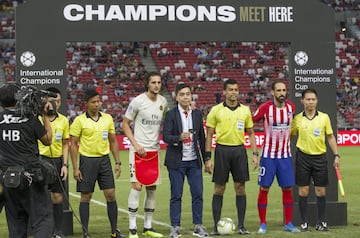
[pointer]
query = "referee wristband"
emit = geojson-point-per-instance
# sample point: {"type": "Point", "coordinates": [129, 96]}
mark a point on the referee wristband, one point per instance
{"type": "Point", "coordinates": [118, 163]}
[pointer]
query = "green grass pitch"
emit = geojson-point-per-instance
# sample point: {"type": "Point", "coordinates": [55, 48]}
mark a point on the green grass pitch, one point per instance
{"type": "Point", "coordinates": [99, 225]}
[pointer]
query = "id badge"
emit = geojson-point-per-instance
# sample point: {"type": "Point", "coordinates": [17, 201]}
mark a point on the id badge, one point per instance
{"type": "Point", "coordinates": [105, 135]}
{"type": "Point", "coordinates": [58, 136]}
{"type": "Point", "coordinates": [240, 125]}
{"type": "Point", "coordinates": [317, 132]}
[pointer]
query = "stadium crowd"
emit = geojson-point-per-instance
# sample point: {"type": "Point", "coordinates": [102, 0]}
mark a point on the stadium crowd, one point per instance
{"type": "Point", "coordinates": [116, 68]}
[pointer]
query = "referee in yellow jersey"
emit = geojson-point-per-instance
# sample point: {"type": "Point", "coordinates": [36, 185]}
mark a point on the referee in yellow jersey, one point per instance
{"type": "Point", "coordinates": [230, 120]}
{"type": "Point", "coordinates": [94, 133]}
{"type": "Point", "coordinates": [312, 128]}
{"type": "Point", "coordinates": [57, 154]}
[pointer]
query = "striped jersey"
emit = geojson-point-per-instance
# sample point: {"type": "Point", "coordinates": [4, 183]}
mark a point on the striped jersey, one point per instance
{"type": "Point", "coordinates": [277, 128]}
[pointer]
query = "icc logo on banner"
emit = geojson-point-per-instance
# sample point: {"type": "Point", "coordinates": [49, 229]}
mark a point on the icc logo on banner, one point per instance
{"type": "Point", "coordinates": [301, 58]}
{"type": "Point", "coordinates": [27, 59]}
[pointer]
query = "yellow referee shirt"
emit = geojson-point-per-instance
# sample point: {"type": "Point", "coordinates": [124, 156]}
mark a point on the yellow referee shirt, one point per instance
{"type": "Point", "coordinates": [60, 131]}
{"type": "Point", "coordinates": [93, 135]}
{"type": "Point", "coordinates": [229, 124]}
{"type": "Point", "coordinates": [311, 133]}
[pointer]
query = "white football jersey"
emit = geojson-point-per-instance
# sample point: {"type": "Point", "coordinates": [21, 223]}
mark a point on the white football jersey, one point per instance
{"type": "Point", "coordinates": [147, 116]}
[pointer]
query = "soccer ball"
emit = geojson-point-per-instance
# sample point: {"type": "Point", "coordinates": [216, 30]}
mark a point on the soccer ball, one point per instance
{"type": "Point", "coordinates": [226, 226]}
{"type": "Point", "coordinates": [27, 58]}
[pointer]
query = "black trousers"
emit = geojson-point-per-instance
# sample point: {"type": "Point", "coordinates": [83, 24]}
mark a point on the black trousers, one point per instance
{"type": "Point", "coordinates": [29, 206]}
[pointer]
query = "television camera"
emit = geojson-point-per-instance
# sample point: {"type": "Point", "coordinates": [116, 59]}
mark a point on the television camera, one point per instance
{"type": "Point", "coordinates": [32, 101]}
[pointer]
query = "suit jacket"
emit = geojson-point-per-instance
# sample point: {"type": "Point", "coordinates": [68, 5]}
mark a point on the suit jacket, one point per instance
{"type": "Point", "coordinates": [171, 134]}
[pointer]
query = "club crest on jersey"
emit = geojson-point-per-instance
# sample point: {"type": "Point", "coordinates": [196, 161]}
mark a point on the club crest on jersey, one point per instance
{"type": "Point", "coordinates": [161, 108]}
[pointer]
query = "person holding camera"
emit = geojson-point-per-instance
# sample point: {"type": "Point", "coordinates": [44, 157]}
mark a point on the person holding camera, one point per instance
{"type": "Point", "coordinates": [27, 202]}
{"type": "Point", "coordinates": [57, 154]}
{"type": "Point", "coordinates": [183, 131]}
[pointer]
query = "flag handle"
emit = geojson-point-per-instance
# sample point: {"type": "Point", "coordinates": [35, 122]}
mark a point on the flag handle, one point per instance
{"type": "Point", "coordinates": [341, 187]}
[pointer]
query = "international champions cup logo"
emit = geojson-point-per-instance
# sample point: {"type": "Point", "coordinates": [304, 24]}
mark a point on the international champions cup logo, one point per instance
{"type": "Point", "coordinates": [301, 58]}
{"type": "Point", "coordinates": [27, 59]}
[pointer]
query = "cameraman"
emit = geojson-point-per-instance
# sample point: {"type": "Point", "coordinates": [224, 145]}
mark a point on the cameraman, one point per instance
{"type": "Point", "coordinates": [19, 149]}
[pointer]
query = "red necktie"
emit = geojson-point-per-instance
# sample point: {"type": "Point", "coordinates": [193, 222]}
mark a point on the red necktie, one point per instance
{"type": "Point", "coordinates": [186, 114]}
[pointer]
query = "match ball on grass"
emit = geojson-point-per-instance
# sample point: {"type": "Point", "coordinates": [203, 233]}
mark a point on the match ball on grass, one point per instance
{"type": "Point", "coordinates": [226, 226]}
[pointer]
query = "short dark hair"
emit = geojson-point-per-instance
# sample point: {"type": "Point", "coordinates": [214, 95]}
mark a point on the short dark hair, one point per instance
{"type": "Point", "coordinates": [90, 94]}
{"type": "Point", "coordinates": [148, 76]}
{"type": "Point", "coordinates": [53, 90]}
{"type": "Point", "coordinates": [309, 90]}
{"type": "Point", "coordinates": [229, 81]}
{"type": "Point", "coordinates": [7, 94]}
{"type": "Point", "coordinates": [181, 86]}
{"type": "Point", "coordinates": [276, 82]}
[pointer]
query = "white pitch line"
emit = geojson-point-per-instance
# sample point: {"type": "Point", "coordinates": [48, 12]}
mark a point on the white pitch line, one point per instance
{"type": "Point", "coordinates": [121, 210]}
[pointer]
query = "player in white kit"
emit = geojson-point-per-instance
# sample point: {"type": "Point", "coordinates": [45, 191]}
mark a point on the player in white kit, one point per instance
{"type": "Point", "coordinates": [146, 111]}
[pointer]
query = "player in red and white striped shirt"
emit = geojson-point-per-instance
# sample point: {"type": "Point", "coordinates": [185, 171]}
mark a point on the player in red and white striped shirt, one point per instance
{"type": "Point", "coordinates": [276, 155]}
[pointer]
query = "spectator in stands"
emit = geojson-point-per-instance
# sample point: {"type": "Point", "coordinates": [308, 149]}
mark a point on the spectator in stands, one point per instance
{"type": "Point", "coordinates": [357, 119]}
{"type": "Point", "coordinates": [217, 97]}
{"type": "Point", "coordinates": [145, 51]}
{"type": "Point", "coordinates": [191, 78]}
{"type": "Point", "coordinates": [196, 66]}
{"type": "Point", "coordinates": [199, 88]}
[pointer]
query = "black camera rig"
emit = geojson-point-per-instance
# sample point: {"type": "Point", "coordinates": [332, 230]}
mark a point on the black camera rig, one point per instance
{"type": "Point", "coordinates": [31, 101]}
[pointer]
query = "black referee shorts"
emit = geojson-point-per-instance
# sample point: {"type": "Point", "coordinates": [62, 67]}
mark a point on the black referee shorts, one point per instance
{"type": "Point", "coordinates": [309, 167]}
{"type": "Point", "coordinates": [95, 169]}
{"type": "Point", "coordinates": [59, 185]}
{"type": "Point", "coordinates": [230, 159]}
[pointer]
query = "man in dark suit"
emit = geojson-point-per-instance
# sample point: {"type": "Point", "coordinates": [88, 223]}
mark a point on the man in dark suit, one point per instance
{"type": "Point", "coordinates": [183, 132]}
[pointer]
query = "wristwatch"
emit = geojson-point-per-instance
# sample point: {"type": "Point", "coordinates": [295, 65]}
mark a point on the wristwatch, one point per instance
{"type": "Point", "coordinates": [256, 153]}
{"type": "Point", "coordinates": [66, 165]}
{"type": "Point", "coordinates": [337, 155]}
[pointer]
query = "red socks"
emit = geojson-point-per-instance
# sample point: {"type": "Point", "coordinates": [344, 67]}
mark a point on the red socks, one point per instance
{"type": "Point", "coordinates": [262, 204]}
{"type": "Point", "coordinates": [287, 199]}
{"type": "Point", "coordinates": [288, 204]}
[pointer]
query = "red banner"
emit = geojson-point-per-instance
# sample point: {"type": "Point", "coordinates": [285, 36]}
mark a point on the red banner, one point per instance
{"type": "Point", "coordinates": [344, 138]}
{"type": "Point", "coordinates": [348, 138]}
